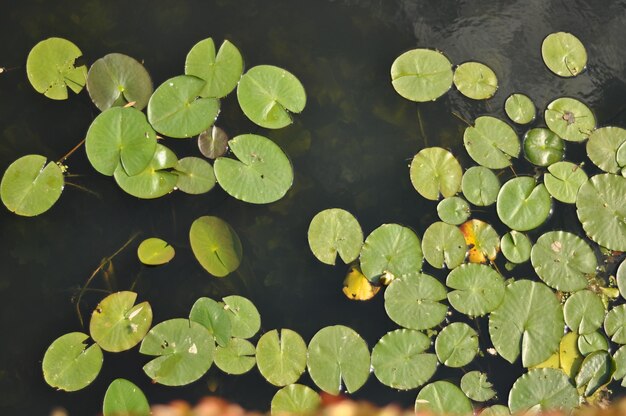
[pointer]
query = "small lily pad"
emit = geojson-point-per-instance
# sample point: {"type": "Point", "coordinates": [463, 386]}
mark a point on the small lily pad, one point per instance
{"type": "Point", "coordinates": [221, 71]}
{"type": "Point", "coordinates": [564, 54]}
{"type": "Point", "coordinates": [596, 341]}
{"type": "Point", "coordinates": [453, 210]}
{"type": "Point", "coordinates": [615, 324]}
{"type": "Point", "coordinates": [564, 180]}
{"type": "Point", "coordinates": [443, 245]}
{"type": "Point", "coordinates": [281, 356]}
{"type": "Point", "coordinates": [154, 252]}
{"type": "Point", "coordinates": [335, 231]}
{"type": "Point", "coordinates": [543, 147]}
{"type": "Point", "coordinates": [481, 238]}
{"type": "Point", "coordinates": [523, 204]}
{"type": "Point", "coordinates": [520, 108]}
{"type": "Point", "coordinates": [603, 145]}
{"type": "Point", "coordinates": [595, 371]}
{"type": "Point", "coordinates": [479, 289]}
{"type": "Point", "coordinates": [570, 357]}
{"type": "Point", "coordinates": [443, 398]}
{"type": "Point", "coordinates": [356, 286]}
{"type": "Point", "coordinates": [244, 316]}
{"type": "Point", "coordinates": [124, 398]}
{"type": "Point", "coordinates": [476, 386]}
{"type": "Point", "coordinates": [620, 364]}
{"type": "Point", "coordinates": [295, 399]}
{"type": "Point", "coordinates": [570, 119]}
{"type": "Point", "coordinates": [491, 142]}
{"type": "Point", "coordinates": [456, 345]}
{"type": "Point", "coordinates": [516, 247]}
{"type": "Point", "coordinates": [195, 175]}
{"type": "Point", "coordinates": [155, 181]}
{"type": "Point", "coordinates": [213, 142]}
{"type": "Point", "coordinates": [584, 312]}
{"type": "Point", "coordinates": [435, 171]}
{"type": "Point", "coordinates": [216, 245]}
{"type": "Point", "coordinates": [543, 389]}
{"type": "Point", "coordinates": [236, 357]}
{"type": "Point", "coordinates": [495, 410]}
{"type": "Point", "coordinates": [421, 75]}
{"type": "Point", "coordinates": [480, 186]}
{"type": "Point", "coordinates": [475, 80]}
{"type": "Point", "coordinates": [213, 317]}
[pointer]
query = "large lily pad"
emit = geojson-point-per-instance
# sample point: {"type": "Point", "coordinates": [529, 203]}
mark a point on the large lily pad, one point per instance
{"type": "Point", "coordinates": [443, 245]}
{"type": "Point", "coordinates": [603, 145]}
{"type": "Point", "coordinates": [155, 180]}
{"type": "Point", "coordinates": [221, 71]}
{"type": "Point", "coordinates": [213, 317]}
{"type": "Point", "coordinates": [155, 251]}
{"type": "Point", "coordinates": [295, 399]}
{"type": "Point", "coordinates": [456, 345]}
{"type": "Point", "coordinates": [523, 204]}
{"type": "Point", "coordinates": [491, 142]}
{"type": "Point", "coordinates": [479, 289]}
{"type": "Point", "coordinates": [124, 398]}
{"type": "Point", "coordinates": [520, 108]}
{"type": "Point", "coordinates": [476, 386]}
{"type": "Point", "coordinates": [435, 171]}
{"type": "Point", "coordinates": [570, 119]}
{"type": "Point", "coordinates": [195, 175]}
{"type": "Point", "coordinates": [564, 180]}
{"type": "Point", "coordinates": [615, 324]}
{"type": "Point", "coordinates": [236, 357]}
{"type": "Point", "coordinates": [244, 317]}
{"type": "Point", "coordinates": [443, 398]}
{"type": "Point", "coordinates": [281, 356]}
{"type": "Point", "coordinates": [516, 247]}
{"type": "Point", "coordinates": [564, 54]}
{"type": "Point", "coordinates": [453, 210]}
{"type": "Point", "coordinates": [335, 231]}
{"type": "Point", "coordinates": [475, 80]}
{"type": "Point", "coordinates": [216, 245]}
{"type": "Point", "coordinates": [480, 186]}
{"type": "Point", "coordinates": [421, 75]}
{"type": "Point", "coordinates": [584, 312]}
{"type": "Point", "coordinates": [543, 147]}
{"type": "Point", "coordinates": [543, 389]}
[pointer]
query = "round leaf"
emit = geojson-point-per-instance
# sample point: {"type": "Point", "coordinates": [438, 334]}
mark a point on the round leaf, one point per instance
{"type": "Point", "coordinates": [522, 204]}
{"type": "Point", "coordinates": [195, 175]}
{"type": "Point", "coordinates": [516, 247]}
{"type": "Point", "coordinates": [543, 147]}
{"type": "Point", "coordinates": [215, 245]}
{"type": "Point", "coordinates": [480, 186]}
{"type": "Point", "coordinates": [295, 399]}
{"type": "Point", "coordinates": [443, 245]}
{"type": "Point", "coordinates": [584, 312]}
{"type": "Point", "coordinates": [443, 397]}
{"type": "Point", "coordinates": [543, 389]}
{"type": "Point", "coordinates": [155, 180]}
{"type": "Point", "coordinates": [564, 54]}
{"type": "Point", "coordinates": [475, 80]}
{"type": "Point", "coordinates": [570, 119]}
{"type": "Point", "coordinates": [244, 316]}
{"type": "Point", "coordinates": [435, 171]}
{"type": "Point", "coordinates": [281, 356]}
{"type": "Point", "coordinates": [483, 240]}
{"type": "Point", "coordinates": [221, 71]}
{"type": "Point", "coordinates": [479, 289]}
{"type": "Point", "coordinates": [213, 317]}
{"type": "Point", "coordinates": [335, 231]}
{"type": "Point", "coordinates": [615, 324]}
{"type": "Point", "coordinates": [453, 210]}
{"type": "Point", "coordinates": [213, 142]}
{"type": "Point", "coordinates": [603, 145]}
{"type": "Point", "coordinates": [236, 357]}
{"type": "Point", "coordinates": [519, 108]}
{"type": "Point", "coordinates": [564, 180]}
{"type": "Point", "coordinates": [154, 252]}
{"type": "Point", "coordinates": [124, 398]}
{"type": "Point", "coordinates": [456, 345]}
{"type": "Point", "coordinates": [491, 142]}
{"type": "Point", "coordinates": [421, 75]}
{"type": "Point", "coordinates": [476, 386]}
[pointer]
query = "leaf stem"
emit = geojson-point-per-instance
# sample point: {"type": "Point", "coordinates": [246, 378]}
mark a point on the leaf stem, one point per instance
{"type": "Point", "coordinates": [68, 154]}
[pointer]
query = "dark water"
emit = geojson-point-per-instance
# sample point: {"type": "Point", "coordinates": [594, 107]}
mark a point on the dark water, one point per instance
{"type": "Point", "coordinates": [350, 148]}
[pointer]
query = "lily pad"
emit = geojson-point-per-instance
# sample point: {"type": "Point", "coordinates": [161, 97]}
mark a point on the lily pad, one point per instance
{"type": "Point", "coordinates": [523, 204]}
{"type": "Point", "coordinates": [336, 355]}
{"type": "Point", "coordinates": [456, 345]}
{"type": "Point", "coordinates": [520, 108]}
{"type": "Point", "coordinates": [564, 180]}
{"type": "Point", "coordinates": [543, 147]}
{"type": "Point", "coordinates": [281, 356]}
{"type": "Point", "coordinates": [116, 80]}
{"type": "Point", "coordinates": [443, 398]}
{"type": "Point", "coordinates": [184, 351]}
{"type": "Point", "coordinates": [124, 398]}
{"type": "Point", "coordinates": [596, 341]}
{"type": "Point", "coordinates": [236, 357]}
{"type": "Point", "coordinates": [30, 187]}
{"type": "Point", "coordinates": [564, 54]}
{"type": "Point", "coordinates": [268, 95]}
{"type": "Point", "coordinates": [495, 410]}
{"type": "Point", "coordinates": [244, 316]}
{"type": "Point", "coordinates": [51, 68]}
{"type": "Point", "coordinates": [476, 386]}
{"type": "Point", "coordinates": [117, 324]}
{"type": "Point", "coordinates": [543, 389]}
{"type": "Point", "coordinates": [620, 364]}
{"type": "Point", "coordinates": [453, 210]}
{"type": "Point", "coordinates": [491, 142]}
{"type": "Point", "coordinates": [479, 289]}
{"type": "Point", "coordinates": [435, 171]}
{"type": "Point", "coordinates": [213, 317]}
{"type": "Point", "coordinates": [620, 276]}
{"type": "Point", "coordinates": [443, 245]}
{"type": "Point", "coordinates": [584, 312]}
{"type": "Point", "coordinates": [221, 71]}
{"type": "Point", "coordinates": [195, 175]}
{"type": "Point", "coordinates": [480, 186]}
{"type": "Point", "coordinates": [570, 357]}
{"type": "Point", "coordinates": [570, 119]}
{"type": "Point", "coordinates": [603, 145]}
{"type": "Point", "coordinates": [356, 286]}
{"type": "Point", "coordinates": [155, 180]}
{"type": "Point", "coordinates": [421, 75]}
{"type": "Point", "coordinates": [595, 371]}
{"type": "Point", "coordinates": [615, 324]}
{"type": "Point", "coordinates": [213, 142]}
{"type": "Point", "coordinates": [400, 360]}
{"type": "Point", "coordinates": [295, 399]}
{"type": "Point", "coordinates": [176, 109]}
{"type": "Point", "coordinates": [154, 252]}
{"type": "Point", "coordinates": [475, 80]}
{"type": "Point", "coordinates": [335, 231]}
{"type": "Point", "coordinates": [263, 173]}
{"type": "Point", "coordinates": [530, 315]}
{"type": "Point", "coordinates": [483, 241]}
{"type": "Point", "coordinates": [216, 245]}
{"type": "Point", "coordinates": [516, 247]}
{"type": "Point", "coordinates": [413, 301]}
{"type": "Point", "coordinates": [70, 364]}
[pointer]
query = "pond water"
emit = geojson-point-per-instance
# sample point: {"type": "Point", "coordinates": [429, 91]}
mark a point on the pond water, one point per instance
{"type": "Point", "coordinates": [350, 148]}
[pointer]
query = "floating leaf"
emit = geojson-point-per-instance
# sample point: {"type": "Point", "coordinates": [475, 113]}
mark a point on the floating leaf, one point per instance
{"type": "Point", "coordinates": [584, 312]}
{"type": "Point", "coordinates": [155, 180]}
{"type": "Point", "coordinates": [543, 389]}
{"type": "Point", "coordinates": [69, 364]}
{"type": "Point", "coordinates": [603, 145]}
{"type": "Point", "coordinates": [221, 71]}
{"type": "Point", "coordinates": [456, 345]}
{"type": "Point", "coordinates": [596, 341]}
{"type": "Point", "coordinates": [177, 110]}
{"type": "Point", "coordinates": [421, 75]}
{"type": "Point", "coordinates": [543, 147]}
{"type": "Point", "coordinates": [495, 410]}
{"type": "Point", "coordinates": [475, 80]}
{"type": "Point", "coordinates": [564, 54]}
{"type": "Point", "coordinates": [399, 359]}
{"type": "Point", "coordinates": [615, 324]}
{"type": "Point", "coordinates": [620, 276]}
{"type": "Point", "coordinates": [523, 204]}
{"type": "Point", "coordinates": [453, 210]}
{"type": "Point", "coordinates": [244, 316]}
{"type": "Point", "coordinates": [435, 171]}
{"type": "Point", "coordinates": [595, 371]}
{"type": "Point", "coordinates": [236, 357]}
{"type": "Point", "coordinates": [195, 175]}
{"type": "Point", "coordinates": [216, 245]}
{"type": "Point", "coordinates": [620, 364]}
{"type": "Point", "coordinates": [564, 180]}
{"type": "Point", "coordinates": [479, 289]}
{"type": "Point", "coordinates": [335, 231]}
{"type": "Point", "coordinates": [268, 95]}
{"type": "Point", "coordinates": [338, 354]}
{"type": "Point", "coordinates": [482, 239]}
{"type": "Point", "coordinates": [184, 351]}
{"type": "Point", "coordinates": [516, 247]}
{"type": "Point", "coordinates": [124, 398]}
{"type": "Point", "coordinates": [213, 317]}
{"type": "Point", "coordinates": [357, 287]}
{"type": "Point", "coordinates": [530, 315]}
{"type": "Point", "coordinates": [443, 245]}
{"type": "Point", "coordinates": [480, 186]}
{"type": "Point", "coordinates": [476, 386]}
{"type": "Point", "coordinates": [281, 356]}
{"type": "Point", "coordinates": [570, 119]}
{"type": "Point", "coordinates": [30, 187]}
{"type": "Point", "coordinates": [491, 142]}
{"type": "Point", "coordinates": [263, 173]}
{"type": "Point", "coordinates": [570, 357]}
{"type": "Point", "coordinates": [413, 301]}
{"type": "Point", "coordinates": [213, 142]}
{"type": "Point", "coordinates": [116, 80]}
{"type": "Point", "coordinates": [51, 68]}
{"type": "Point", "coordinates": [443, 397]}
{"type": "Point", "coordinates": [154, 252]}
{"type": "Point", "coordinates": [295, 399]}
{"type": "Point", "coordinates": [117, 324]}
{"type": "Point", "coordinates": [520, 108]}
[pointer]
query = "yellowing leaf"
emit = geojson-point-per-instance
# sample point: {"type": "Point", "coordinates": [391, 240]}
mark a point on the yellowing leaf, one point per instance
{"type": "Point", "coordinates": [482, 240]}
{"type": "Point", "coordinates": [357, 287]}
{"type": "Point", "coordinates": [571, 358]}
{"type": "Point", "coordinates": [552, 362]}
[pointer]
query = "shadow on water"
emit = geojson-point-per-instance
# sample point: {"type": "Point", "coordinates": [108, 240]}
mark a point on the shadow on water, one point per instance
{"type": "Point", "coordinates": [350, 148]}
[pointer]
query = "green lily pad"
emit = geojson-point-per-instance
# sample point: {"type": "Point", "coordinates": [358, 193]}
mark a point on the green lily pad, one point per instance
{"type": "Point", "coordinates": [491, 142]}
{"type": "Point", "coordinates": [595, 371]}
{"type": "Point", "coordinates": [564, 180]}
{"type": "Point", "coordinates": [213, 317]}
{"type": "Point", "coordinates": [216, 245]}
{"type": "Point", "coordinates": [620, 157]}
{"type": "Point", "coordinates": [335, 231]}
{"type": "Point", "coordinates": [520, 108]}
{"type": "Point", "coordinates": [443, 245]}
{"type": "Point", "coordinates": [480, 186]}
{"type": "Point", "coordinates": [221, 71]}
{"type": "Point", "coordinates": [456, 345]}
{"type": "Point", "coordinates": [523, 204]}
{"type": "Point", "coordinates": [584, 312]}
{"type": "Point", "coordinates": [176, 109]}
{"type": "Point", "coordinates": [51, 68]}
{"type": "Point", "coordinates": [30, 187]}
{"type": "Point", "coordinates": [213, 142]}
{"type": "Point", "coordinates": [244, 316]}
{"type": "Point", "coordinates": [391, 249]}
{"type": "Point", "coordinates": [564, 54]}
{"type": "Point", "coordinates": [184, 351]}
{"type": "Point", "coordinates": [475, 80]}
{"type": "Point", "coordinates": [603, 145]}
{"type": "Point", "coordinates": [124, 398]}
{"type": "Point", "coordinates": [295, 399]}
{"type": "Point", "coordinates": [154, 252]}
{"type": "Point", "coordinates": [70, 364]}
{"type": "Point", "coordinates": [563, 260]}
{"type": "Point", "coordinates": [336, 355]}
{"type": "Point", "coordinates": [543, 147]}
{"type": "Point", "coordinates": [476, 386]}
{"type": "Point", "coordinates": [435, 171]}
{"type": "Point", "coordinates": [620, 364]}
{"type": "Point", "coordinates": [236, 357]}
{"type": "Point", "coordinates": [400, 361]}
{"type": "Point", "coordinates": [615, 324]}
{"type": "Point", "coordinates": [620, 276]}
{"type": "Point", "coordinates": [453, 210]}
{"type": "Point", "coordinates": [116, 80]}
{"type": "Point", "coordinates": [595, 341]}
{"type": "Point", "coordinates": [495, 410]}
{"type": "Point", "coordinates": [570, 119]}
{"type": "Point", "coordinates": [263, 173]}
{"type": "Point", "coordinates": [413, 301]}
{"type": "Point", "coordinates": [195, 175]}
{"type": "Point", "coordinates": [482, 239]}
{"type": "Point", "coordinates": [268, 95]}
{"type": "Point", "coordinates": [530, 315]}
{"type": "Point", "coordinates": [281, 356]}
{"type": "Point", "coordinates": [516, 247]}
{"type": "Point", "coordinates": [120, 136]}
{"type": "Point", "coordinates": [155, 180]}
{"type": "Point", "coordinates": [421, 75]}
{"type": "Point", "coordinates": [543, 389]}
{"type": "Point", "coordinates": [117, 324]}
{"type": "Point", "coordinates": [601, 209]}
{"type": "Point", "coordinates": [479, 289]}
{"type": "Point", "coordinates": [443, 398]}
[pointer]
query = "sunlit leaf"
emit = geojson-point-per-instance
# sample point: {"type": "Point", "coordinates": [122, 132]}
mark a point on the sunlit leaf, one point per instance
{"type": "Point", "coordinates": [154, 251]}
{"type": "Point", "coordinates": [221, 70]}
{"type": "Point", "coordinates": [215, 245]}
{"type": "Point", "coordinates": [435, 171]}
{"type": "Point", "coordinates": [421, 75]}
{"type": "Point", "coordinates": [543, 389]}
{"type": "Point", "coordinates": [564, 54]}
{"type": "Point", "coordinates": [475, 80]}
{"type": "Point", "coordinates": [124, 398]}
{"type": "Point", "coordinates": [443, 397]}
{"type": "Point", "coordinates": [482, 240]}
{"type": "Point", "coordinates": [335, 231]}
{"type": "Point", "coordinates": [413, 301]}
{"type": "Point", "coordinates": [479, 289]}
{"type": "Point", "coordinates": [281, 356]}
